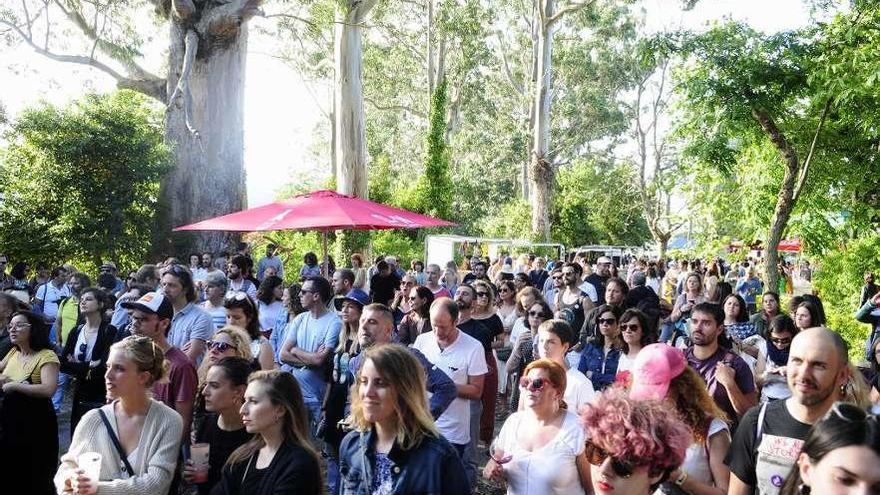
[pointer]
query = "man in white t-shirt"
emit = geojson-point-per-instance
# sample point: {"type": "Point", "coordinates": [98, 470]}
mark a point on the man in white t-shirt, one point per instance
{"type": "Point", "coordinates": [461, 357]}
{"type": "Point", "coordinates": [50, 294]}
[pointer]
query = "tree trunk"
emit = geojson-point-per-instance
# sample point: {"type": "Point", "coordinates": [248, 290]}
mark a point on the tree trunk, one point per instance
{"type": "Point", "coordinates": [209, 178]}
{"type": "Point", "coordinates": [663, 245]}
{"type": "Point", "coordinates": [351, 148]}
{"type": "Point", "coordinates": [541, 170]}
{"type": "Point", "coordinates": [785, 200]}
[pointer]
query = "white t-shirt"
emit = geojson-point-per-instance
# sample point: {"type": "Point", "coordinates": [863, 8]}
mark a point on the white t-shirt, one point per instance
{"type": "Point", "coordinates": [519, 326]}
{"type": "Point", "coordinates": [624, 363]}
{"type": "Point", "coordinates": [590, 289]}
{"type": "Point", "coordinates": [268, 313]}
{"type": "Point", "coordinates": [465, 357]}
{"type": "Point", "coordinates": [696, 459]}
{"type": "Point", "coordinates": [550, 470]}
{"type": "Point", "coordinates": [578, 390]}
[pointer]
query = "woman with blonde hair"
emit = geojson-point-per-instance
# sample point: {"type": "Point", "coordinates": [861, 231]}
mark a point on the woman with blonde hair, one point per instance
{"type": "Point", "coordinates": [280, 458]}
{"type": "Point", "coordinates": [394, 445]}
{"type": "Point", "coordinates": [661, 372]}
{"type": "Point", "coordinates": [138, 437]}
{"type": "Point", "coordinates": [540, 450]}
{"type": "Point", "coordinates": [229, 341]}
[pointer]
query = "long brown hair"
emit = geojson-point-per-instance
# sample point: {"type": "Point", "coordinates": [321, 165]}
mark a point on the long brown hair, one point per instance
{"type": "Point", "coordinates": [693, 403]}
{"type": "Point", "coordinates": [282, 390]}
{"type": "Point", "coordinates": [402, 371]}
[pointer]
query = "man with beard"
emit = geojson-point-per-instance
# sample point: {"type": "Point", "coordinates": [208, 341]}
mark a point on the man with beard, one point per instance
{"type": "Point", "coordinates": [728, 378]}
{"type": "Point", "coordinates": [478, 272]}
{"type": "Point", "coordinates": [769, 439]}
{"type": "Point", "coordinates": [236, 272]}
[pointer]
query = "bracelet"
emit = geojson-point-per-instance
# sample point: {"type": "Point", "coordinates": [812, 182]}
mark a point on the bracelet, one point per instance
{"type": "Point", "coordinates": [682, 478]}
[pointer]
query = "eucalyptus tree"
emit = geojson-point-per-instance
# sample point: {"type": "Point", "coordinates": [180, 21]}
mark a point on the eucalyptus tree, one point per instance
{"type": "Point", "coordinates": [202, 88]}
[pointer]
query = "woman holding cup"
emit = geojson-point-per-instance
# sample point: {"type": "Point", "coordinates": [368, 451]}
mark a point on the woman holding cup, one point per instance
{"type": "Point", "coordinates": [136, 437]}
{"type": "Point", "coordinates": [222, 430]}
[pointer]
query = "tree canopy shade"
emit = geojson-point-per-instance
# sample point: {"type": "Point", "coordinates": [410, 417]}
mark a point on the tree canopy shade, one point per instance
{"type": "Point", "coordinates": [81, 183]}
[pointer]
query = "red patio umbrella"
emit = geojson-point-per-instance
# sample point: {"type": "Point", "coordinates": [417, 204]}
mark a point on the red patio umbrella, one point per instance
{"type": "Point", "coordinates": [319, 210]}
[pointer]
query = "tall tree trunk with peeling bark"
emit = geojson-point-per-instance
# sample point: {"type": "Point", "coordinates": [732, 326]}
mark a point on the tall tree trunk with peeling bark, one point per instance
{"type": "Point", "coordinates": [205, 121]}
{"type": "Point", "coordinates": [541, 174]}
{"type": "Point", "coordinates": [351, 140]}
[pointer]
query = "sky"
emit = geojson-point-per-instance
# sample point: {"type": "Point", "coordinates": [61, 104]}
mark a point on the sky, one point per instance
{"type": "Point", "coordinates": [280, 135]}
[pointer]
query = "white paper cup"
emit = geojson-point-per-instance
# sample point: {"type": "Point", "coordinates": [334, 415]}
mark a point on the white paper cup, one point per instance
{"type": "Point", "coordinates": [90, 462]}
{"type": "Point", "coordinates": [199, 453]}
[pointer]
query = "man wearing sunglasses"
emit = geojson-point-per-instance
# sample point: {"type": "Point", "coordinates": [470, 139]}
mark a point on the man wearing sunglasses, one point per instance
{"type": "Point", "coordinates": [151, 317]}
{"type": "Point", "coordinates": [311, 338]}
{"type": "Point", "coordinates": [462, 358]}
{"type": "Point", "coordinates": [770, 437]}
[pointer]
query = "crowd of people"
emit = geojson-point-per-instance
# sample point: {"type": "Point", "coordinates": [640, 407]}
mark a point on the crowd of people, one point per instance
{"type": "Point", "coordinates": [631, 376]}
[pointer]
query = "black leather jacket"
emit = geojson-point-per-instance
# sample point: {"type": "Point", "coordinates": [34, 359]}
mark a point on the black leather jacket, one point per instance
{"type": "Point", "coordinates": [431, 468]}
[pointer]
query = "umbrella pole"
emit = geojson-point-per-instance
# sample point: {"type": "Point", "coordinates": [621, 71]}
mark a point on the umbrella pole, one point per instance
{"type": "Point", "coordinates": [326, 260]}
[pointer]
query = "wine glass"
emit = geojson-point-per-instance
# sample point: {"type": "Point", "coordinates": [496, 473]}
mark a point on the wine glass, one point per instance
{"type": "Point", "coordinates": [497, 453]}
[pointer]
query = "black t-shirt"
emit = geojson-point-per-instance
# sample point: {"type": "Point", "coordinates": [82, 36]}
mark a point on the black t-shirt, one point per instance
{"type": "Point", "coordinates": [479, 331]}
{"type": "Point", "coordinates": [764, 465]}
{"type": "Point", "coordinates": [599, 283]}
{"type": "Point", "coordinates": [223, 443]}
{"type": "Point", "coordinates": [382, 287]}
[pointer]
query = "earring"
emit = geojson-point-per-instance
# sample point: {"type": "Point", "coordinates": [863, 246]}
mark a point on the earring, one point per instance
{"type": "Point", "coordinates": [803, 489]}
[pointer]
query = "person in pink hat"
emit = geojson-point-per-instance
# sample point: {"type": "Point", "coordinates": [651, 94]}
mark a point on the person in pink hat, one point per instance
{"type": "Point", "coordinates": [660, 372]}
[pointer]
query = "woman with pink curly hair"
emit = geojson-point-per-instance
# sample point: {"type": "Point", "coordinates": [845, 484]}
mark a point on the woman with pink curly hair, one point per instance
{"type": "Point", "coordinates": [633, 445]}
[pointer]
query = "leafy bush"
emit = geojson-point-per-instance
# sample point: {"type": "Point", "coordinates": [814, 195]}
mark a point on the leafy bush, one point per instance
{"type": "Point", "coordinates": [839, 282]}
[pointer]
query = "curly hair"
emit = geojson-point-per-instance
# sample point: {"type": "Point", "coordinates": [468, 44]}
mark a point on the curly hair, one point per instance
{"type": "Point", "coordinates": [640, 432]}
{"type": "Point", "coordinates": [695, 406]}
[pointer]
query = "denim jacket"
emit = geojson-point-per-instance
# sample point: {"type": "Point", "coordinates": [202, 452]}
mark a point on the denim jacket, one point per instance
{"type": "Point", "coordinates": [599, 368]}
{"type": "Point", "coordinates": [431, 468]}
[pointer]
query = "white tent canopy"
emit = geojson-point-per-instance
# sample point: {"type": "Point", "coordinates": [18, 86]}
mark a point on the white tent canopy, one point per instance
{"type": "Point", "coordinates": [440, 249]}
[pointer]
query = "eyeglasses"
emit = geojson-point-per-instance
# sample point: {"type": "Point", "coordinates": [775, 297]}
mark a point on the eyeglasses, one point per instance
{"type": "Point", "coordinates": [607, 321]}
{"type": "Point", "coordinates": [782, 341]}
{"type": "Point", "coordinates": [19, 325]}
{"type": "Point", "coordinates": [482, 294]}
{"type": "Point", "coordinates": [218, 346]}
{"type": "Point", "coordinates": [535, 385]}
{"type": "Point", "coordinates": [596, 456]}
{"type": "Point", "coordinates": [503, 290]}
{"type": "Point", "coordinates": [629, 327]}
{"type": "Point", "coordinates": [536, 314]}
{"type": "Point", "coordinates": [82, 352]}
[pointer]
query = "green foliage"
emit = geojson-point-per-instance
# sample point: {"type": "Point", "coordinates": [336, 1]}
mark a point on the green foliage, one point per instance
{"type": "Point", "coordinates": [597, 203]}
{"type": "Point", "coordinates": [399, 243]}
{"type": "Point", "coordinates": [512, 220]}
{"type": "Point", "coordinates": [81, 182]}
{"type": "Point", "coordinates": [432, 189]}
{"type": "Point", "coordinates": [839, 280]}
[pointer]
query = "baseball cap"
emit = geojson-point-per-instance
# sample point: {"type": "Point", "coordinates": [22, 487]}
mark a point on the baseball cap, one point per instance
{"type": "Point", "coordinates": [604, 259]}
{"type": "Point", "coordinates": [152, 302]}
{"type": "Point", "coordinates": [357, 296]}
{"type": "Point", "coordinates": [108, 264]}
{"type": "Point", "coordinates": [655, 366]}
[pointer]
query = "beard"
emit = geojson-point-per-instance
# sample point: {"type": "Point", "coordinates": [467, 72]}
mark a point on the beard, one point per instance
{"type": "Point", "coordinates": [462, 304]}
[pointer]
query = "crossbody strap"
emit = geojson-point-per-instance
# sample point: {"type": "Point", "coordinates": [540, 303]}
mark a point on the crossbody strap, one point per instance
{"type": "Point", "coordinates": [116, 443]}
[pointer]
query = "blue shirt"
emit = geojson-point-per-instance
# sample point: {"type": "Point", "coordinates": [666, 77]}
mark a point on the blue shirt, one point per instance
{"type": "Point", "coordinates": [279, 333]}
{"type": "Point", "coordinates": [599, 368]}
{"type": "Point", "coordinates": [190, 323]}
{"type": "Point", "coordinates": [308, 334]}
{"type": "Point", "coordinates": [268, 261]}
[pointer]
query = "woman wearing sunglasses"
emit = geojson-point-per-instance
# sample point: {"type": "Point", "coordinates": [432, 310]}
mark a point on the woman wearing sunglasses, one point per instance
{"type": "Point", "coordinates": [634, 445]}
{"type": "Point", "coordinates": [242, 312]}
{"type": "Point", "coordinates": [770, 368]}
{"type": "Point", "coordinates": [525, 346]}
{"type": "Point", "coordinates": [602, 353]}
{"type": "Point", "coordinates": [85, 354]}
{"type": "Point", "coordinates": [841, 455]}
{"type": "Point", "coordinates": [660, 372]}
{"type": "Point", "coordinates": [222, 428]}
{"type": "Point", "coordinates": [540, 450]}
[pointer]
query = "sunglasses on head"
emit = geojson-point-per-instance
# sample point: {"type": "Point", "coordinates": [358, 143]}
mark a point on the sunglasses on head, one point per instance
{"type": "Point", "coordinates": [239, 295]}
{"type": "Point", "coordinates": [596, 456]}
{"type": "Point", "coordinates": [535, 385]}
{"type": "Point", "coordinates": [219, 346]}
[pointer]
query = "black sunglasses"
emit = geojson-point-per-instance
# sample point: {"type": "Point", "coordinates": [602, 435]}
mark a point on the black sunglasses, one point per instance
{"type": "Point", "coordinates": [596, 456]}
{"type": "Point", "coordinates": [607, 321]}
{"type": "Point", "coordinates": [220, 346]}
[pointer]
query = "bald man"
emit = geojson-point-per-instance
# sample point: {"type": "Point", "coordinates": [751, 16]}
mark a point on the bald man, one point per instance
{"type": "Point", "coordinates": [770, 436]}
{"type": "Point", "coordinates": [375, 328]}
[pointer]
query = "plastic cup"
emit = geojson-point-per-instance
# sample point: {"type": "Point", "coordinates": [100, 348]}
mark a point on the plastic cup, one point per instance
{"type": "Point", "coordinates": [199, 453]}
{"type": "Point", "coordinates": [90, 463]}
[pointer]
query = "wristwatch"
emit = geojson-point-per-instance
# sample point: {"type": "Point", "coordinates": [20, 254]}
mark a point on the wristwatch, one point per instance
{"type": "Point", "coordinates": [682, 478]}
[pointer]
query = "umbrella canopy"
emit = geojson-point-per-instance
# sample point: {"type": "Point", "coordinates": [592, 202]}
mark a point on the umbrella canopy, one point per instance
{"type": "Point", "coordinates": [320, 210]}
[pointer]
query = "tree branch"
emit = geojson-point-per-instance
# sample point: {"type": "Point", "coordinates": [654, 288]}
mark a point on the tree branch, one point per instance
{"type": "Point", "coordinates": [507, 72]}
{"type": "Point", "coordinates": [404, 108]}
{"type": "Point", "coordinates": [568, 9]}
{"type": "Point", "coordinates": [191, 44]}
{"type": "Point", "coordinates": [802, 173]}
